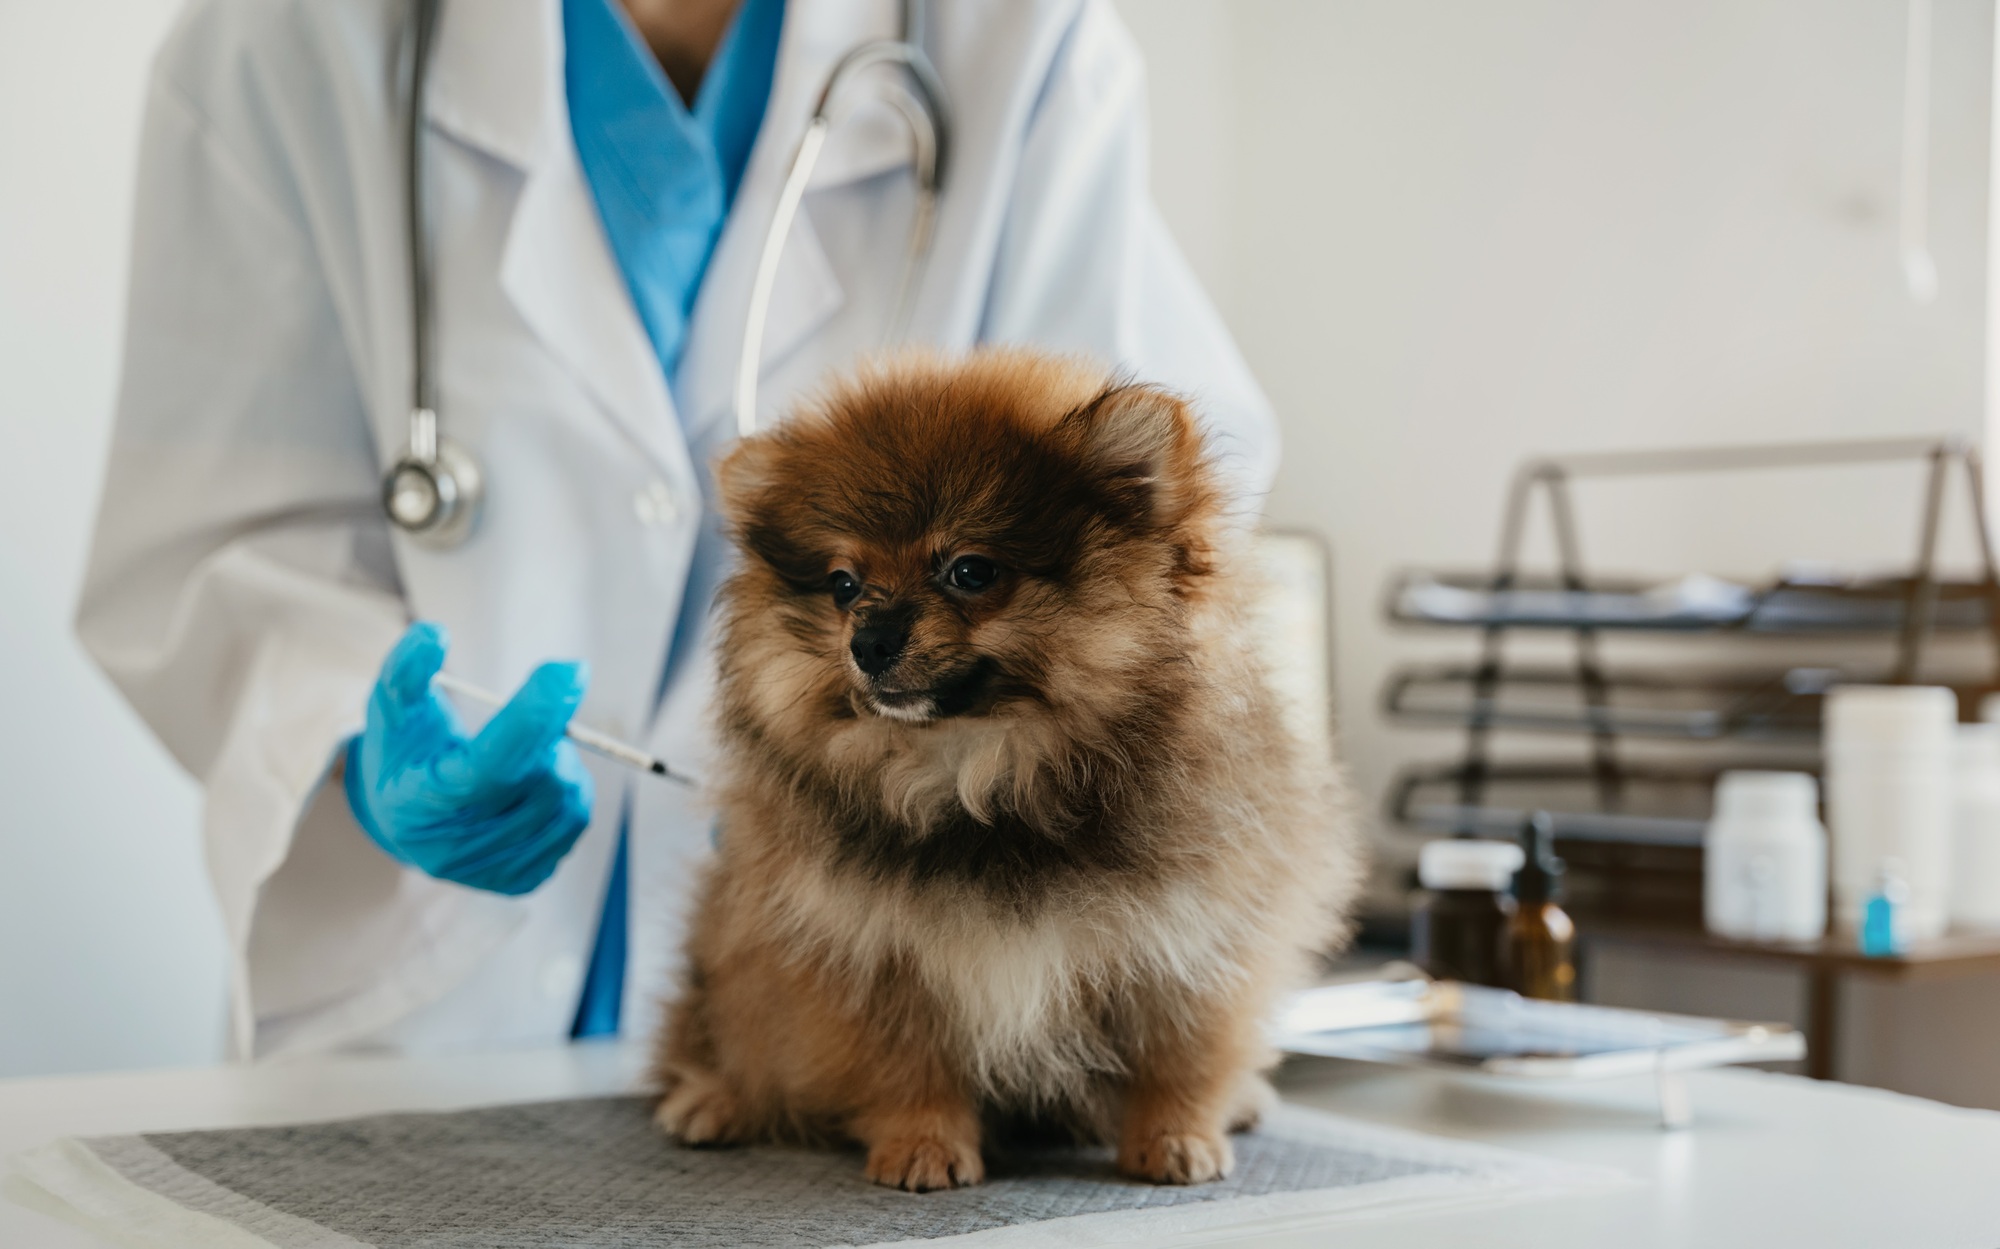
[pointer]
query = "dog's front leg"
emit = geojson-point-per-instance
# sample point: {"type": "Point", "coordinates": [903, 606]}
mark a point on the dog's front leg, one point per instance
{"type": "Point", "coordinates": [1185, 1092]}
{"type": "Point", "coordinates": [921, 1129]}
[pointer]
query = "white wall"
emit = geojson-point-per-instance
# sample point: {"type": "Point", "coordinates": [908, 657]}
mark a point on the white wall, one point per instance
{"type": "Point", "coordinates": [1456, 233]}
{"type": "Point", "coordinates": [110, 953]}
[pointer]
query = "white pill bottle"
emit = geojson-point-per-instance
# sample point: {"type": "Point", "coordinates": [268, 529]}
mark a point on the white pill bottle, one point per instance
{"type": "Point", "coordinates": [1890, 751]}
{"type": "Point", "coordinates": [1764, 859]}
{"type": "Point", "coordinates": [1975, 848]}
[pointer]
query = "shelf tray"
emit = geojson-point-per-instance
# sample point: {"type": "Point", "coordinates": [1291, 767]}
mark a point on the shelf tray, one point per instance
{"type": "Point", "coordinates": [1660, 704]}
{"type": "Point", "coordinates": [1655, 804]}
{"type": "Point", "coordinates": [1691, 605]}
{"type": "Point", "coordinates": [1694, 706]}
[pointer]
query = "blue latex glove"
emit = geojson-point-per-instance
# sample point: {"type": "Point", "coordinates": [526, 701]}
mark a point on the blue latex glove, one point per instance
{"type": "Point", "coordinates": [497, 812]}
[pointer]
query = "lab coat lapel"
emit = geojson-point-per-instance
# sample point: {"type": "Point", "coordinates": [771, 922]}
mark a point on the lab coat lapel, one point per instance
{"type": "Point", "coordinates": [807, 292]}
{"type": "Point", "coordinates": [497, 84]}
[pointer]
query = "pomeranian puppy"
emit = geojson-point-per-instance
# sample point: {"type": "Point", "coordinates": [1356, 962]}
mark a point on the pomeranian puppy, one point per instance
{"type": "Point", "coordinates": [1011, 832]}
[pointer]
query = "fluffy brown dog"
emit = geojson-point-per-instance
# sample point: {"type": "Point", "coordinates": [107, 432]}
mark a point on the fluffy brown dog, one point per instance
{"type": "Point", "coordinates": [1011, 831]}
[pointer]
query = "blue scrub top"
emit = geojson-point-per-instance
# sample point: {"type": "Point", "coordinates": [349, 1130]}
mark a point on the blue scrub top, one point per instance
{"type": "Point", "coordinates": [664, 177]}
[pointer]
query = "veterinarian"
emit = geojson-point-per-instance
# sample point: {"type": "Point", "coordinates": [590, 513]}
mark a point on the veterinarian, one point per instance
{"type": "Point", "coordinates": [599, 176]}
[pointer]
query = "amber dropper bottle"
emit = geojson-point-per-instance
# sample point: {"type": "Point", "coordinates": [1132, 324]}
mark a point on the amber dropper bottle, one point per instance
{"type": "Point", "coordinates": [1541, 942]}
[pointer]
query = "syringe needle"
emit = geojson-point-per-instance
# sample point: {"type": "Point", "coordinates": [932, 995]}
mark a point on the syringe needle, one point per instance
{"type": "Point", "coordinates": [590, 739]}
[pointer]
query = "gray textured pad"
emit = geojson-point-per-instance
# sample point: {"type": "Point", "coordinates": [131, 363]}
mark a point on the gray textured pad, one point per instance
{"type": "Point", "coordinates": [598, 1173]}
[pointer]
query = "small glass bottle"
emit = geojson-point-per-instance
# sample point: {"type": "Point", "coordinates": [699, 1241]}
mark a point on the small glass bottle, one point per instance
{"type": "Point", "coordinates": [1541, 939]}
{"type": "Point", "coordinates": [1458, 925]}
{"type": "Point", "coordinates": [1882, 915]}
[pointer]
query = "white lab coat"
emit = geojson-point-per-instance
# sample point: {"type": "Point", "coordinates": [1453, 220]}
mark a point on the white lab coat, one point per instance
{"type": "Point", "coordinates": [244, 585]}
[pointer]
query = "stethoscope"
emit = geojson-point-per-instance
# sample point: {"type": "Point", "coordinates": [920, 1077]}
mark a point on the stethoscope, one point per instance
{"type": "Point", "coordinates": [434, 490]}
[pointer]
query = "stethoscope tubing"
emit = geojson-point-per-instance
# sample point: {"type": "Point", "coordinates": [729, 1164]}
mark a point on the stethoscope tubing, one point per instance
{"type": "Point", "coordinates": [930, 130]}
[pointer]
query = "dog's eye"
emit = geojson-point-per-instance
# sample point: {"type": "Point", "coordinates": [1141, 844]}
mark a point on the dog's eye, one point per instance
{"type": "Point", "coordinates": [972, 573]}
{"type": "Point", "coordinates": [845, 588]}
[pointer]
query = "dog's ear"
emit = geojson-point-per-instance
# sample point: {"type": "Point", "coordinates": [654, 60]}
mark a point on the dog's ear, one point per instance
{"type": "Point", "coordinates": [744, 480]}
{"type": "Point", "coordinates": [764, 507]}
{"type": "Point", "coordinates": [1142, 440]}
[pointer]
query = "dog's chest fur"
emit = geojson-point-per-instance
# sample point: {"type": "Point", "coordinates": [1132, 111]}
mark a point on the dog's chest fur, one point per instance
{"type": "Point", "coordinates": [1037, 1000]}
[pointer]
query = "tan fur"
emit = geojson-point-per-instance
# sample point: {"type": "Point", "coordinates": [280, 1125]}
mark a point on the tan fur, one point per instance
{"type": "Point", "coordinates": [1058, 863]}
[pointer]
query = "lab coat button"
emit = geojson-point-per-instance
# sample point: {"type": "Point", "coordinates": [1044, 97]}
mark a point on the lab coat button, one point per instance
{"type": "Point", "coordinates": [655, 505]}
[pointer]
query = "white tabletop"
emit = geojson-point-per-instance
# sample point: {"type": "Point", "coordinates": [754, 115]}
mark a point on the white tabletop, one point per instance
{"type": "Point", "coordinates": [1770, 1160]}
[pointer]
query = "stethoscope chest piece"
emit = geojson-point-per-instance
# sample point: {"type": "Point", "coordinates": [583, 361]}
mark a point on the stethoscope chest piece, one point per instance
{"type": "Point", "coordinates": [434, 490]}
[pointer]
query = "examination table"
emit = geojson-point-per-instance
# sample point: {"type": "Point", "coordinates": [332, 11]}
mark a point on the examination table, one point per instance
{"type": "Point", "coordinates": [1771, 1160]}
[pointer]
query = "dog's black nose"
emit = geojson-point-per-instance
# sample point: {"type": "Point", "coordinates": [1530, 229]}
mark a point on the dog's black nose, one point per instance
{"type": "Point", "coordinates": [876, 646]}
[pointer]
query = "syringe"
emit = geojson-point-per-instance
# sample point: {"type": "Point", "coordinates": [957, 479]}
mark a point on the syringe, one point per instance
{"type": "Point", "coordinates": [590, 739]}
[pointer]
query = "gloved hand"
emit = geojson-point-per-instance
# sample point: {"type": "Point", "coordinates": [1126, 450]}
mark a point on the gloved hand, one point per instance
{"type": "Point", "coordinates": [497, 812]}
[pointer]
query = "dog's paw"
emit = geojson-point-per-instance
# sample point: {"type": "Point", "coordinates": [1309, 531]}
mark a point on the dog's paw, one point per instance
{"type": "Point", "coordinates": [1177, 1158]}
{"type": "Point", "coordinates": [699, 1110]}
{"type": "Point", "coordinates": [922, 1164]}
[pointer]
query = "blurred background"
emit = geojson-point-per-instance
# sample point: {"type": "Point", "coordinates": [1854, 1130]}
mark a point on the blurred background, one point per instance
{"type": "Point", "coordinates": [1448, 236]}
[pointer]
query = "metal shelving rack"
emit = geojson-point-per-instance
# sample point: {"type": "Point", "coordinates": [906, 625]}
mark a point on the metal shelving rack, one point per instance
{"type": "Point", "coordinates": [1774, 711]}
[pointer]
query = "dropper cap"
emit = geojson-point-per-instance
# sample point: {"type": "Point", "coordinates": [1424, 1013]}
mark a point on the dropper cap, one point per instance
{"type": "Point", "coordinates": [1540, 877]}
